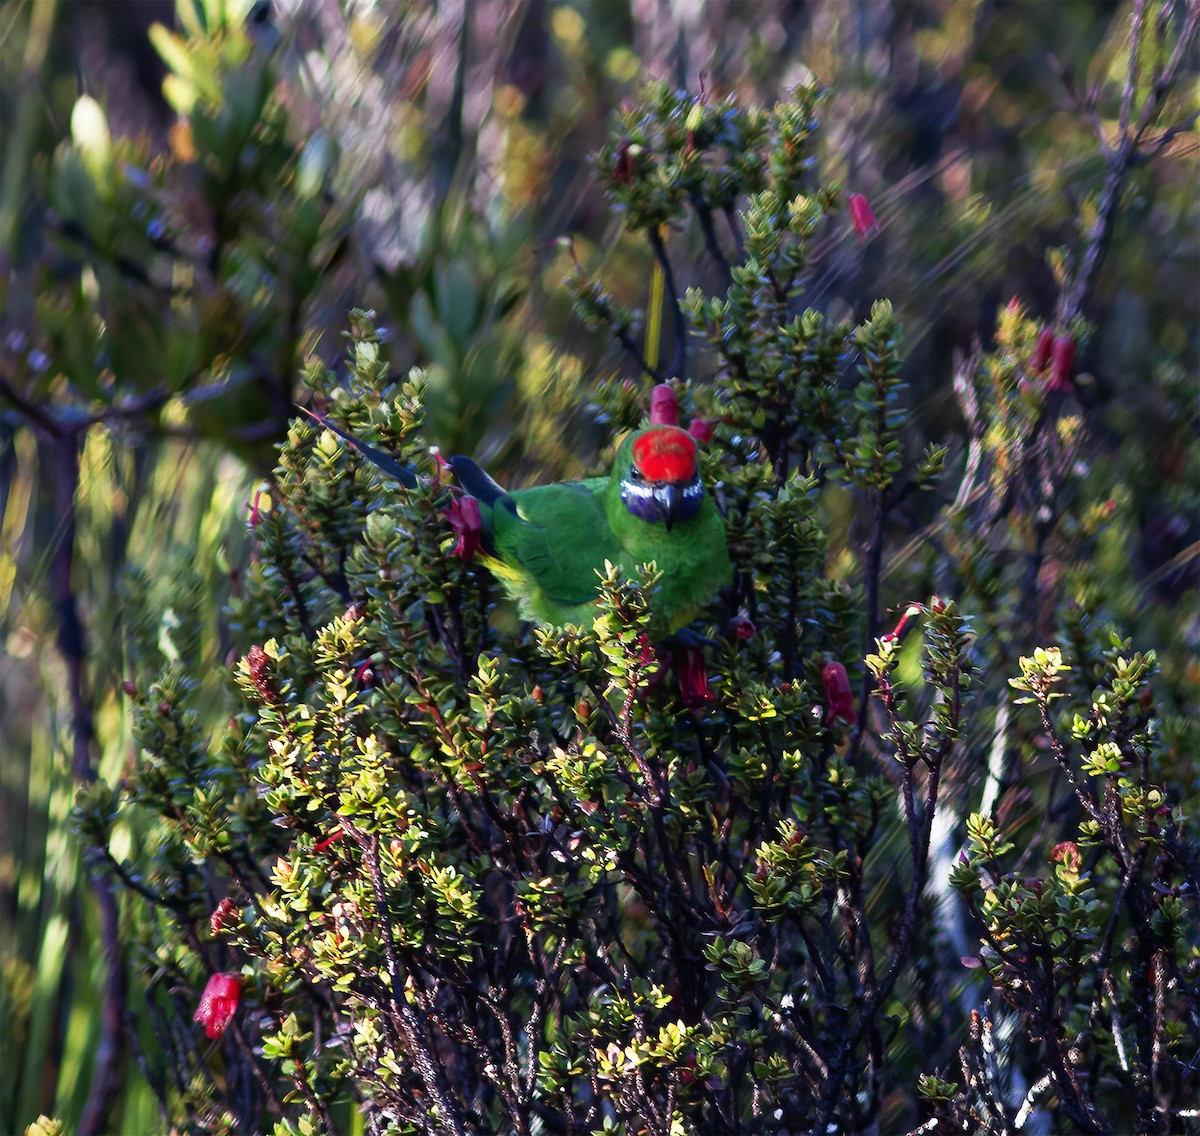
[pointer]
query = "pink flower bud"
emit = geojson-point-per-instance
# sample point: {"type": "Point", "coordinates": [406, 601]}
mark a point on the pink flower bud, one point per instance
{"type": "Point", "coordinates": [839, 697]}
{"type": "Point", "coordinates": [218, 1003]}
{"type": "Point", "coordinates": [664, 406]}
{"type": "Point", "coordinates": [702, 429]}
{"type": "Point", "coordinates": [862, 215]}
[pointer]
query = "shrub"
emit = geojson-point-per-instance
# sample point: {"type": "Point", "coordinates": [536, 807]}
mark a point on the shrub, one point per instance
{"type": "Point", "coordinates": [459, 874]}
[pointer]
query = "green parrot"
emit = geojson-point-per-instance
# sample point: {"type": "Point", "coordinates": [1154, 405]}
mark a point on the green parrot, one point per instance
{"type": "Point", "coordinates": [547, 543]}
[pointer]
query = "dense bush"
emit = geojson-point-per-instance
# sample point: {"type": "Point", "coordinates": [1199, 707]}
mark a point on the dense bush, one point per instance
{"type": "Point", "coordinates": [479, 878]}
{"type": "Point", "coordinates": [876, 869]}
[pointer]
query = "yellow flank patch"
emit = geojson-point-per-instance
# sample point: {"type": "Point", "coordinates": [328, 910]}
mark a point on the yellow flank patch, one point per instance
{"type": "Point", "coordinates": [499, 569]}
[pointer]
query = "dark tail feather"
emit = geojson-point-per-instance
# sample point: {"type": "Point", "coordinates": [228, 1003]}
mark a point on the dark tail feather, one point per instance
{"type": "Point", "coordinates": [473, 479]}
{"type": "Point", "coordinates": [401, 473]}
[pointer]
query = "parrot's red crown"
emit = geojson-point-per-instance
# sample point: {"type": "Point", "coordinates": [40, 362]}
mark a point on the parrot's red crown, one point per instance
{"type": "Point", "coordinates": [665, 453]}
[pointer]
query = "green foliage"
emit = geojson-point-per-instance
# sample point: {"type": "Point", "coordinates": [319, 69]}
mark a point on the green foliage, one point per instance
{"type": "Point", "coordinates": [1096, 956]}
{"type": "Point", "coordinates": [521, 876]}
{"type": "Point", "coordinates": [474, 877]}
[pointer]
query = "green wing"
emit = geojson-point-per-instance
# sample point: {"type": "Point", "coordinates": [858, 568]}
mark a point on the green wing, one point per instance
{"type": "Point", "coordinates": [549, 542]}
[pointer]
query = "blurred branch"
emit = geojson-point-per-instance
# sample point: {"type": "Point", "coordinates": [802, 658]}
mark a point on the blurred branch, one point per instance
{"type": "Point", "coordinates": [61, 453]}
{"type": "Point", "coordinates": [1125, 154]}
{"type": "Point", "coordinates": [18, 153]}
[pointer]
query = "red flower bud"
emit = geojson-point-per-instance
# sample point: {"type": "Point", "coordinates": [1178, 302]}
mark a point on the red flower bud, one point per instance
{"type": "Point", "coordinates": [862, 215]}
{"type": "Point", "coordinates": [664, 406]}
{"type": "Point", "coordinates": [466, 520]}
{"type": "Point", "coordinates": [839, 697]}
{"type": "Point", "coordinates": [218, 1003]}
{"type": "Point", "coordinates": [1062, 364]}
{"type": "Point", "coordinates": [702, 429]}
{"type": "Point", "coordinates": [1042, 349]}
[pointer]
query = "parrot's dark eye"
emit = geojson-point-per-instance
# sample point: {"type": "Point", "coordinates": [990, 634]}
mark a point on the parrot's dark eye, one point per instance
{"type": "Point", "coordinates": [635, 474]}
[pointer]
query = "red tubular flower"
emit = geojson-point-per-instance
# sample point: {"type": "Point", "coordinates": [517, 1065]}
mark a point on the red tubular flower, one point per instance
{"type": "Point", "coordinates": [1062, 364]}
{"type": "Point", "coordinates": [693, 679]}
{"type": "Point", "coordinates": [839, 697]}
{"type": "Point", "coordinates": [466, 520]}
{"type": "Point", "coordinates": [218, 1003]}
{"type": "Point", "coordinates": [1042, 349]}
{"type": "Point", "coordinates": [862, 215]}
{"type": "Point", "coordinates": [664, 406]}
{"type": "Point", "coordinates": [910, 613]}
{"type": "Point", "coordinates": [336, 835]}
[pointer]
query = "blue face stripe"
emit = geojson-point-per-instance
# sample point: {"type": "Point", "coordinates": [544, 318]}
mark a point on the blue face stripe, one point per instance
{"type": "Point", "coordinates": [639, 498]}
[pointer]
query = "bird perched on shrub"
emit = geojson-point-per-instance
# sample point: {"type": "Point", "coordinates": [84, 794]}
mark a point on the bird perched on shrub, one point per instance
{"type": "Point", "coordinates": [547, 543]}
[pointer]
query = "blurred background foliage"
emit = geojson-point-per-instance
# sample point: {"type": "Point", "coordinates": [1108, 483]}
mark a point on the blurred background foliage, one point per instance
{"type": "Point", "coordinates": [195, 193]}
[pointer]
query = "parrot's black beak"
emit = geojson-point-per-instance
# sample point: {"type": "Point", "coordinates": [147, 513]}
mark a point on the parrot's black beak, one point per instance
{"type": "Point", "coordinates": [666, 497]}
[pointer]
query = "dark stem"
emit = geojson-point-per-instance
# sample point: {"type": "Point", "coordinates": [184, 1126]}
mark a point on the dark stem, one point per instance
{"type": "Point", "coordinates": [873, 572]}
